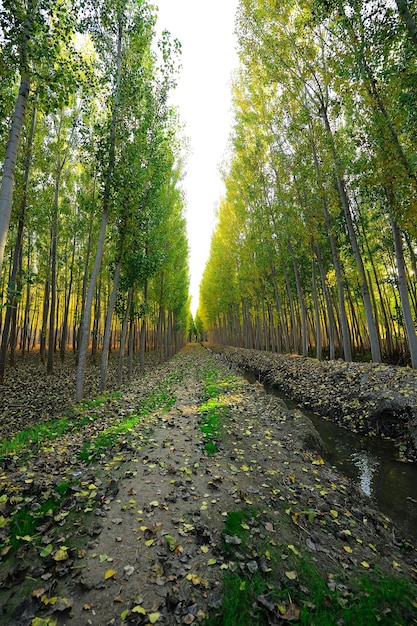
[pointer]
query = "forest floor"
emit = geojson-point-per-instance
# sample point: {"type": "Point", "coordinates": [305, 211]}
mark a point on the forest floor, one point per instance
{"type": "Point", "coordinates": [189, 496]}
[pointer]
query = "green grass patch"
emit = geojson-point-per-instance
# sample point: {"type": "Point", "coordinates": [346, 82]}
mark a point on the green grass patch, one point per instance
{"type": "Point", "coordinates": [212, 414]}
{"type": "Point", "coordinates": [236, 522]}
{"type": "Point", "coordinates": [35, 436]}
{"type": "Point", "coordinates": [99, 400]}
{"type": "Point", "coordinates": [213, 409]}
{"type": "Point", "coordinates": [161, 400]}
{"type": "Point", "coordinates": [25, 521]}
{"type": "Point", "coordinates": [292, 587]}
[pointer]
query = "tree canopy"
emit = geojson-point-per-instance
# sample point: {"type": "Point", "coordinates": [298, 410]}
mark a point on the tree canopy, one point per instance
{"type": "Point", "coordinates": [91, 208]}
{"type": "Point", "coordinates": [316, 236]}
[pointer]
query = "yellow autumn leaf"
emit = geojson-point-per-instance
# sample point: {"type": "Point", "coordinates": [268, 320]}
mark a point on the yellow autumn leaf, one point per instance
{"type": "Point", "coordinates": [292, 575]}
{"type": "Point", "coordinates": [348, 549]}
{"type": "Point", "coordinates": [61, 554]}
{"type": "Point", "coordinates": [245, 468]}
{"type": "Point", "coordinates": [334, 513]}
{"type": "Point", "coordinates": [149, 542]}
{"type": "Point", "coordinates": [51, 601]}
{"type": "Point", "coordinates": [293, 549]}
{"type": "Point", "coordinates": [154, 617]}
{"type": "Point", "coordinates": [188, 528]}
{"type": "Point", "coordinates": [111, 573]}
{"type": "Point", "coordinates": [196, 580]}
{"type": "Point", "coordinates": [204, 549]}
{"type": "Point", "coordinates": [40, 621]}
{"type": "Point", "coordinates": [365, 564]}
{"type": "Point", "coordinates": [3, 521]}
{"type": "Point", "coordinates": [211, 561]}
{"type": "Point", "coordinates": [139, 609]}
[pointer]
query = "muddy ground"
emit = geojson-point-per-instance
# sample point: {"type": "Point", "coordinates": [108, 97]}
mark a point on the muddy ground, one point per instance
{"type": "Point", "coordinates": [138, 537]}
{"type": "Point", "coordinates": [373, 398]}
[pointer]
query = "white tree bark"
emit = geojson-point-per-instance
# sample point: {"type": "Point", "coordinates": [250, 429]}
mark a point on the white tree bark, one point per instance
{"type": "Point", "coordinates": [9, 166]}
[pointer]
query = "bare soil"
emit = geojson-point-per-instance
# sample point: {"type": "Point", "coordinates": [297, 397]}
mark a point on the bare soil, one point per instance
{"type": "Point", "coordinates": [138, 538]}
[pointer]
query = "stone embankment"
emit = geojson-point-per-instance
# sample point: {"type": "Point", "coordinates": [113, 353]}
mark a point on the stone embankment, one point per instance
{"type": "Point", "coordinates": [373, 398]}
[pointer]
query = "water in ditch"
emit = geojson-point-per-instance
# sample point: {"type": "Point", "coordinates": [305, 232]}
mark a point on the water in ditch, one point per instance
{"type": "Point", "coordinates": [371, 462]}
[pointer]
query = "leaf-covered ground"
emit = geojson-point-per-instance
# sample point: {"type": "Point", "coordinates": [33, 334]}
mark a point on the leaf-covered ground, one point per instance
{"type": "Point", "coordinates": [29, 396]}
{"type": "Point", "coordinates": [191, 497]}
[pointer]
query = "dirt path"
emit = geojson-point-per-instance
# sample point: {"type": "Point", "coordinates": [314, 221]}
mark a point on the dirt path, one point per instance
{"type": "Point", "coordinates": [145, 532]}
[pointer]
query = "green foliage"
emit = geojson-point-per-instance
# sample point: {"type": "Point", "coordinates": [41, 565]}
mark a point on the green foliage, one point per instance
{"type": "Point", "coordinates": [317, 100]}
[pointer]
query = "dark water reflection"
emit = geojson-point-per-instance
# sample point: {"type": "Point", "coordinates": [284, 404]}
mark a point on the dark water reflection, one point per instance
{"type": "Point", "coordinates": [370, 461]}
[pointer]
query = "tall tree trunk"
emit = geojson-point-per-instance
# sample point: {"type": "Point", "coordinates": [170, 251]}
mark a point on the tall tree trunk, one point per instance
{"type": "Point", "coordinates": [26, 334]}
{"type": "Point", "coordinates": [17, 256]}
{"type": "Point", "coordinates": [67, 305]}
{"type": "Point", "coordinates": [142, 343]}
{"type": "Point", "coordinates": [124, 335]}
{"type": "Point", "coordinates": [282, 318]}
{"type": "Point", "coordinates": [329, 305]}
{"type": "Point", "coordinates": [53, 307]}
{"type": "Point", "coordinates": [408, 19]}
{"type": "Point", "coordinates": [371, 322]}
{"type": "Point", "coordinates": [347, 347]}
{"type": "Point", "coordinates": [85, 333]}
{"type": "Point", "coordinates": [316, 309]}
{"type": "Point", "coordinates": [45, 311]}
{"type": "Point", "coordinates": [402, 287]}
{"type": "Point", "coordinates": [96, 322]}
{"type": "Point", "coordinates": [131, 347]}
{"type": "Point", "coordinates": [292, 313]}
{"type": "Point", "coordinates": [301, 302]}
{"type": "Point", "coordinates": [9, 163]}
{"type": "Point", "coordinates": [77, 337]}
{"type": "Point", "coordinates": [107, 330]}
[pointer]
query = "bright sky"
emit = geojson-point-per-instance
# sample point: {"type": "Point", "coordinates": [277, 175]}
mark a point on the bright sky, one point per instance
{"type": "Point", "coordinates": [203, 97]}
